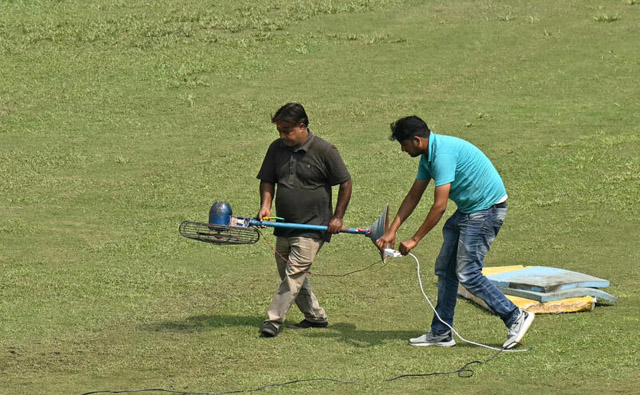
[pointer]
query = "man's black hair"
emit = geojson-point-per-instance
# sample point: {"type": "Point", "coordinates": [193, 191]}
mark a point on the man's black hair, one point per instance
{"type": "Point", "coordinates": [291, 113]}
{"type": "Point", "coordinates": [409, 127]}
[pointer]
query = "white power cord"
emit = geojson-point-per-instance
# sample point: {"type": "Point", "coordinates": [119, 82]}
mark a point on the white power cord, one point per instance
{"type": "Point", "coordinates": [396, 254]}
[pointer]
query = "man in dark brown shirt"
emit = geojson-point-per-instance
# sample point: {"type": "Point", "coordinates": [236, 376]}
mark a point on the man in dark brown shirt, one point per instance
{"type": "Point", "coordinates": [304, 167]}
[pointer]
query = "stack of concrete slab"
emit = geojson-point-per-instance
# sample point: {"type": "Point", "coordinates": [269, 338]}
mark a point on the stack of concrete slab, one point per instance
{"type": "Point", "coordinates": [542, 289]}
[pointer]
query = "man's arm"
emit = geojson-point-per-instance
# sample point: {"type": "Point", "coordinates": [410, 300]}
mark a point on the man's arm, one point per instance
{"type": "Point", "coordinates": [440, 199]}
{"type": "Point", "coordinates": [344, 196]}
{"type": "Point", "coordinates": [406, 208]}
{"type": "Point", "coordinates": [267, 191]}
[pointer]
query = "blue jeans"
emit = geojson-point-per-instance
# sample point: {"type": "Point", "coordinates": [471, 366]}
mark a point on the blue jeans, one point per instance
{"type": "Point", "coordinates": [467, 239]}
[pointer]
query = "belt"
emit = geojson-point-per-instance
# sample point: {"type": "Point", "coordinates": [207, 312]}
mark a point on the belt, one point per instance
{"type": "Point", "coordinates": [500, 205]}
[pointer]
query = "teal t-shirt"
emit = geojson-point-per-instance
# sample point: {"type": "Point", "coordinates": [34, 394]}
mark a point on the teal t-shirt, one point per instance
{"type": "Point", "coordinates": [475, 182]}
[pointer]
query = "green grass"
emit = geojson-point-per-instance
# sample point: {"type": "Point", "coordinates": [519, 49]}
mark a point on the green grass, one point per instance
{"type": "Point", "coordinates": [120, 119]}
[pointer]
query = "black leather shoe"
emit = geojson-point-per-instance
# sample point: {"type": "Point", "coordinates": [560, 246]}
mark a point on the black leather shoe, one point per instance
{"type": "Point", "coordinates": [304, 324]}
{"type": "Point", "coordinates": [269, 330]}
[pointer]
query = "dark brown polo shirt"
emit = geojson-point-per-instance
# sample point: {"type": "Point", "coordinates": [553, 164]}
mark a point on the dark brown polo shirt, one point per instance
{"type": "Point", "coordinates": [304, 177]}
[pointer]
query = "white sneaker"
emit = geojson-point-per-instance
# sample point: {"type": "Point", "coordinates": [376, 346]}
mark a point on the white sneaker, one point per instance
{"type": "Point", "coordinates": [429, 339]}
{"type": "Point", "coordinates": [518, 329]}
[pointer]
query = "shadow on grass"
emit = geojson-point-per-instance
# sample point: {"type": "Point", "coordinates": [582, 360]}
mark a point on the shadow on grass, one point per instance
{"type": "Point", "coordinates": [341, 332]}
{"type": "Point", "coordinates": [348, 333]}
{"type": "Point", "coordinates": [205, 322]}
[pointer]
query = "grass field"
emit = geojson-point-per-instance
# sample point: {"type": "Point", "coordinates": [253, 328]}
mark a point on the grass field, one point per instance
{"type": "Point", "coordinates": [121, 119]}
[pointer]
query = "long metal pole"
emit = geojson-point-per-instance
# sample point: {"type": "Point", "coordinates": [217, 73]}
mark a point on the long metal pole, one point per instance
{"type": "Point", "coordinates": [320, 228]}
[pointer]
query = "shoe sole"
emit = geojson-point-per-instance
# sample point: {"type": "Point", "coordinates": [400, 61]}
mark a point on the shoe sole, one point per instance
{"type": "Point", "coordinates": [450, 343]}
{"type": "Point", "coordinates": [268, 333]}
{"type": "Point", "coordinates": [527, 324]}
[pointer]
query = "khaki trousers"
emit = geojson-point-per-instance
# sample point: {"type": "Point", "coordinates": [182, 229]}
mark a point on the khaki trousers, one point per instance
{"type": "Point", "coordinates": [295, 287]}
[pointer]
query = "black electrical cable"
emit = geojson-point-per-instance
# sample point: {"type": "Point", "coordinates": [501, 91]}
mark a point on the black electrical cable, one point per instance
{"type": "Point", "coordinates": [376, 262]}
{"type": "Point", "coordinates": [464, 372]}
{"type": "Point", "coordinates": [264, 387]}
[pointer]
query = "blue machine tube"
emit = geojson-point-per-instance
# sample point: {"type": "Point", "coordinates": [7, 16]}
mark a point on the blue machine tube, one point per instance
{"type": "Point", "coordinates": [320, 228]}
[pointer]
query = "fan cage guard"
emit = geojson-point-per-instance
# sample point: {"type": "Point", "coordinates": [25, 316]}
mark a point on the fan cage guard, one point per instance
{"type": "Point", "coordinates": [219, 234]}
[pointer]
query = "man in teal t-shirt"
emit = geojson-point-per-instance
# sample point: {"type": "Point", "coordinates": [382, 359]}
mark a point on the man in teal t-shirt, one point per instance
{"type": "Point", "coordinates": [462, 173]}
